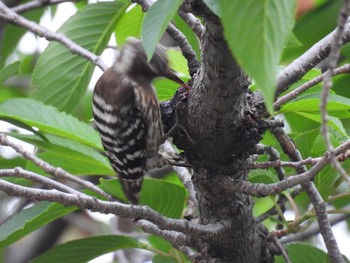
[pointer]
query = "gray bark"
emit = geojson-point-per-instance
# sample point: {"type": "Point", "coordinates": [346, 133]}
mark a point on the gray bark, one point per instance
{"type": "Point", "coordinates": [222, 120]}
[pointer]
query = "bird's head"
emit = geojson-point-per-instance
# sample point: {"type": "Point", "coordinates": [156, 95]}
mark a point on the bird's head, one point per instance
{"type": "Point", "coordinates": [132, 62]}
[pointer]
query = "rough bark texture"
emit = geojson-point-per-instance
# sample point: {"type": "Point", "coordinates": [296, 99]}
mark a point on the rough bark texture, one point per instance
{"type": "Point", "coordinates": [222, 122]}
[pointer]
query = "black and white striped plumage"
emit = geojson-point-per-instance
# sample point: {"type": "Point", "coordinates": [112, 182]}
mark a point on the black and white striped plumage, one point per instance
{"type": "Point", "coordinates": [127, 113]}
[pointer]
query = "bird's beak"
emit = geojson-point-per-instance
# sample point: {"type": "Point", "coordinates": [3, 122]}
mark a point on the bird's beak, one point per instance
{"type": "Point", "coordinates": [169, 74]}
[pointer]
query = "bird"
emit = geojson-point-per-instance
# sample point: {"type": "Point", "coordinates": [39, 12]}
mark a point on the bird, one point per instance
{"type": "Point", "coordinates": [127, 113]}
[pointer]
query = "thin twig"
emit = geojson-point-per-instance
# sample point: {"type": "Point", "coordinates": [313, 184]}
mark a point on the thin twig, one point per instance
{"type": "Point", "coordinates": [38, 4]}
{"type": "Point", "coordinates": [175, 238]}
{"type": "Point", "coordinates": [8, 15]}
{"type": "Point", "coordinates": [274, 155]}
{"type": "Point", "coordinates": [278, 244]}
{"type": "Point", "coordinates": [313, 230]}
{"type": "Point", "coordinates": [52, 184]}
{"type": "Point", "coordinates": [55, 171]}
{"type": "Point", "coordinates": [272, 211]}
{"type": "Point", "coordinates": [278, 163]}
{"type": "Point", "coordinates": [260, 190]}
{"type": "Point", "coordinates": [304, 87]}
{"type": "Point", "coordinates": [183, 174]}
{"type": "Point", "coordinates": [193, 22]}
{"type": "Point", "coordinates": [323, 223]}
{"type": "Point", "coordinates": [338, 196]}
{"type": "Point", "coordinates": [327, 85]}
{"type": "Point", "coordinates": [293, 205]}
{"type": "Point", "coordinates": [298, 68]}
{"type": "Point", "coordinates": [316, 199]}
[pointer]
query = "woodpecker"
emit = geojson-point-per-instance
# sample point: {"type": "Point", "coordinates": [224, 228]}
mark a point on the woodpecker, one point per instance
{"type": "Point", "coordinates": [127, 114]}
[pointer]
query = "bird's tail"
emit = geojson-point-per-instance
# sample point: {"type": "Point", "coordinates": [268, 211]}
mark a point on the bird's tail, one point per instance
{"type": "Point", "coordinates": [132, 187]}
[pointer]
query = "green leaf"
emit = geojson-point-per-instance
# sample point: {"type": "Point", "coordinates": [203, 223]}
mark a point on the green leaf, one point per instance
{"type": "Point", "coordinates": [326, 180]}
{"type": "Point", "coordinates": [319, 146]}
{"type": "Point", "coordinates": [301, 124]}
{"type": "Point", "coordinates": [341, 84]}
{"type": "Point", "coordinates": [165, 197]}
{"type": "Point", "coordinates": [256, 32]}
{"type": "Point", "coordinates": [308, 76]}
{"type": "Point", "coordinates": [160, 243]}
{"type": "Point", "coordinates": [311, 103]}
{"type": "Point", "coordinates": [189, 34]}
{"type": "Point", "coordinates": [72, 163]}
{"type": "Point", "coordinates": [84, 110]}
{"type": "Point", "coordinates": [304, 253]}
{"type": "Point", "coordinates": [312, 27]}
{"type": "Point", "coordinates": [29, 220]}
{"type": "Point", "coordinates": [13, 34]}
{"type": "Point", "coordinates": [27, 64]}
{"type": "Point", "coordinates": [172, 177]}
{"type": "Point", "coordinates": [84, 250]}
{"type": "Point", "coordinates": [155, 22]}
{"type": "Point", "coordinates": [81, 4]}
{"type": "Point", "coordinates": [332, 121]}
{"type": "Point", "coordinates": [48, 119]}
{"type": "Point", "coordinates": [262, 205]}
{"type": "Point", "coordinates": [71, 155]}
{"type": "Point", "coordinates": [293, 41]}
{"type": "Point", "coordinates": [10, 163]}
{"type": "Point", "coordinates": [113, 188]}
{"type": "Point", "coordinates": [262, 176]}
{"type": "Point", "coordinates": [178, 63]}
{"type": "Point", "coordinates": [162, 196]}
{"type": "Point", "coordinates": [9, 71]}
{"type": "Point", "coordinates": [129, 25]}
{"type": "Point", "coordinates": [7, 93]}
{"type": "Point", "coordinates": [61, 78]}
{"type": "Point", "coordinates": [165, 88]}
{"type": "Point", "coordinates": [305, 140]}
{"type": "Point", "coordinates": [163, 259]}
{"type": "Point", "coordinates": [341, 201]}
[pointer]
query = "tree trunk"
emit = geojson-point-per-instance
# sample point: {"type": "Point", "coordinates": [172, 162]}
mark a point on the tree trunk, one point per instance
{"type": "Point", "coordinates": [222, 122]}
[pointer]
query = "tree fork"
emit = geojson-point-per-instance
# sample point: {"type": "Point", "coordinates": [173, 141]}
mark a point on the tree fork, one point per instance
{"type": "Point", "coordinates": [223, 122]}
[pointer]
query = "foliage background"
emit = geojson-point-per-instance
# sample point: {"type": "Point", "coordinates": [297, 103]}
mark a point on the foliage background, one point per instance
{"type": "Point", "coordinates": [57, 78]}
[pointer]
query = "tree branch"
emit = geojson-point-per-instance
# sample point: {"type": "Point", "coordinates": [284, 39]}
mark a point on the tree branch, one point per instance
{"type": "Point", "coordinates": [304, 87]}
{"type": "Point", "coordinates": [327, 85]}
{"type": "Point", "coordinates": [8, 15]}
{"type": "Point", "coordinates": [175, 238]}
{"type": "Point", "coordinates": [52, 184]}
{"type": "Point", "coordinates": [183, 174]}
{"type": "Point", "coordinates": [278, 163]}
{"type": "Point", "coordinates": [280, 205]}
{"type": "Point", "coordinates": [275, 156]}
{"type": "Point", "coordinates": [38, 4]}
{"type": "Point", "coordinates": [106, 207]}
{"type": "Point", "coordinates": [193, 22]}
{"type": "Point", "coordinates": [323, 223]}
{"type": "Point", "coordinates": [272, 211]}
{"type": "Point", "coordinates": [318, 52]}
{"type": "Point", "coordinates": [313, 230]}
{"type": "Point", "coordinates": [261, 190]}
{"type": "Point", "coordinates": [278, 244]}
{"type": "Point", "coordinates": [55, 171]}
{"type": "Point", "coordinates": [318, 203]}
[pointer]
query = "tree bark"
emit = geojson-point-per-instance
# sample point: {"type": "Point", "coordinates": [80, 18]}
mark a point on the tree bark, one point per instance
{"type": "Point", "coordinates": [222, 120]}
